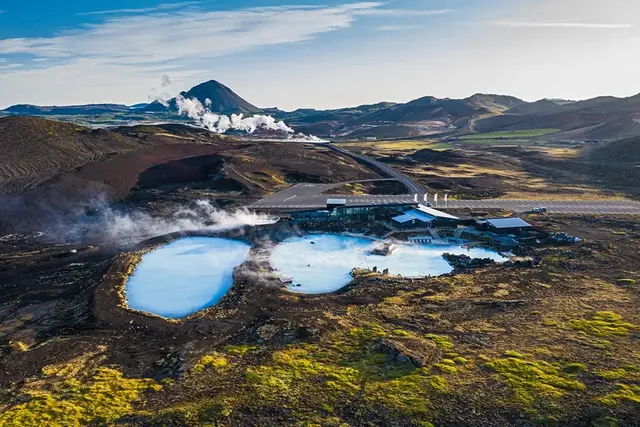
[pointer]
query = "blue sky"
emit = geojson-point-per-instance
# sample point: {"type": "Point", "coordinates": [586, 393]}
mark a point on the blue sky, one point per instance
{"type": "Point", "coordinates": [315, 53]}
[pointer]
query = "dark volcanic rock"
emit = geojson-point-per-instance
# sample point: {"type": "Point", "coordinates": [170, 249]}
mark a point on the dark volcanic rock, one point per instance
{"type": "Point", "coordinates": [464, 261]}
{"type": "Point", "coordinates": [403, 350]}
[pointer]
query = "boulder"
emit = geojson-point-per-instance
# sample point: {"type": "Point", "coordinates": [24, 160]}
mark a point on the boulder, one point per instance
{"type": "Point", "coordinates": [464, 261]}
{"type": "Point", "coordinates": [417, 351]}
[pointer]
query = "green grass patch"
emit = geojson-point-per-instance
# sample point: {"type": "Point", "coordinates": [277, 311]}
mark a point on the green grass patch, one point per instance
{"type": "Point", "coordinates": [534, 381]}
{"type": "Point", "coordinates": [624, 393]}
{"type": "Point", "coordinates": [346, 367]}
{"type": "Point", "coordinates": [603, 324]}
{"type": "Point", "coordinates": [531, 133]}
{"type": "Point", "coordinates": [460, 361]}
{"type": "Point", "coordinates": [64, 398]}
{"type": "Point", "coordinates": [614, 374]}
{"type": "Point", "coordinates": [442, 341]}
{"type": "Point", "coordinates": [215, 361]}
{"type": "Point", "coordinates": [240, 349]}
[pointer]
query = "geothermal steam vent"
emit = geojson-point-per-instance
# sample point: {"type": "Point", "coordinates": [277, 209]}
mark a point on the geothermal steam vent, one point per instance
{"type": "Point", "coordinates": [185, 276]}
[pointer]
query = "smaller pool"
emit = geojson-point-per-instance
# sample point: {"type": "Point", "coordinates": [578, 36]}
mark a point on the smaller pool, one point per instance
{"type": "Point", "coordinates": [185, 276]}
{"type": "Point", "coordinates": [323, 263]}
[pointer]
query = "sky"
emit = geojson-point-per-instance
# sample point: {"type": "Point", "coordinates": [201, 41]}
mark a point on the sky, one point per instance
{"type": "Point", "coordinates": [317, 53]}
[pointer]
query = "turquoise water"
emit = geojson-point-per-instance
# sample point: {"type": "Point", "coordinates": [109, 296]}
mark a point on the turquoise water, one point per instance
{"type": "Point", "coordinates": [185, 276]}
{"type": "Point", "coordinates": [323, 263]}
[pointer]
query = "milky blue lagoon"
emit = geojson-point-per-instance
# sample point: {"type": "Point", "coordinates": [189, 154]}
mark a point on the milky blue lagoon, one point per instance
{"type": "Point", "coordinates": [185, 276]}
{"type": "Point", "coordinates": [323, 263]}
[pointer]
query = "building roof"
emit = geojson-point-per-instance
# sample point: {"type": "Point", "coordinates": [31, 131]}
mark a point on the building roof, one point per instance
{"type": "Point", "coordinates": [413, 215]}
{"type": "Point", "coordinates": [422, 216]}
{"type": "Point", "coordinates": [336, 201]}
{"type": "Point", "coordinates": [435, 213]}
{"type": "Point", "coordinates": [404, 218]}
{"type": "Point", "coordinates": [508, 223]}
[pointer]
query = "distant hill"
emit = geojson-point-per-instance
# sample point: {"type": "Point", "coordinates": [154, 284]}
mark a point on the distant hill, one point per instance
{"type": "Point", "coordinates": [34, 149]}
{"type": "Point", "coordinates": [422, 116]}
{"type": "Point", "coordinates": [222, 100]}
{"type": "Point", "coordinates": [494, 103]}
{"type": "Point", "coordinates": [601, 118]}
{"type": "Point", "coordinates": [623, 151]}
{"type": "Point", "coordinates": [544, 106]}
{"type": "Point", "coordinates": [69, 110]}
{"type": "Point", "coordinates": [593, 119]}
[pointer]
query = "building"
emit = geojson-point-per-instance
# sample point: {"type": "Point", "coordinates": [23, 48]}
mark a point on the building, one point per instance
{"type": "Point", "coordinates": [514, 226]}
{"type": "Point", "coordinates": [339, 210]}
{"type": "Point", "coordinates": [336, 203]}
{"type": "Point", "coordinates": [424, 217]}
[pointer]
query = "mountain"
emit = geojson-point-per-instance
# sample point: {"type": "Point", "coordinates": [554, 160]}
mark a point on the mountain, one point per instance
{"type": "Point", "coordinates": [69, 110]}
{"type": "Point", "coordinates": [544, 106]}
{"type": "Point", "coordinates": [138, 106]}
{"type": "Point", "coordinates": [222, 100]}
{"type": "Point", "coordinates": [495, 103]}
{"type": "Point", "coordinates": [599, 118]}
{"type": "Point", "coordinates": [426, 115]}
{"type": "Point", "coordinates": [602, 118]}
{"type": "Point", "coordinates": [623, 151]}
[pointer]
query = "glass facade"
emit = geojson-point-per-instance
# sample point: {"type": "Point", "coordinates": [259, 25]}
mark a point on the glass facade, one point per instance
{"type": "Point", "coordinates": [355, 213]}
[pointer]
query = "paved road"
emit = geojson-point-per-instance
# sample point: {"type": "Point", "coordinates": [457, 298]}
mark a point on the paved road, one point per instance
{"type": "Point", "coordinates": [412, 186]}
{"type": "Point", "coordinates": [310, 196]}
{"type": "Point", "coordinates": [614, 207]}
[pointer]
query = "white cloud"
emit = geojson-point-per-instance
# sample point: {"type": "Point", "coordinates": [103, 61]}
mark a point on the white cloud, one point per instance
{"type": "Point", "coordinates": [406, 12]}
{"type": "Point", "coordinates": [123, 57]}
{"type": "Point", "coordinates": [160, 7]}
{"type": "Point", "coordinates": [156, 38]}
{"type": "Point", "coordinates": [521, 24]}
{"type": "Point", "coordinates": [393, 27]}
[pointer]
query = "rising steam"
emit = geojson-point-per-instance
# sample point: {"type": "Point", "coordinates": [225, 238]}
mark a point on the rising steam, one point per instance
{"type": "Point", "coordinates": [220, 123]}
{"type": "Point", "coordinates": [203, 116]}
{"type": "Point", "coordinates": [133, 227]}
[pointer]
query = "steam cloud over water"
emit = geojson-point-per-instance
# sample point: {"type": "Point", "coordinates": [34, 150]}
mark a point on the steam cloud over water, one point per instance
{"type": "Point", "coordinates": [133, 227]}
{"type": "Point", "coordinates": [220, 123]}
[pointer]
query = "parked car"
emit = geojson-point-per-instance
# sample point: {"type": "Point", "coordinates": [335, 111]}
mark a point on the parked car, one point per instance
{"type": "Point", "coordinates": [539, 210]}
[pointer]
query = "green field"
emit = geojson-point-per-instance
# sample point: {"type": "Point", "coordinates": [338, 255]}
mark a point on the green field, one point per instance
{"type": "Point", "coordinates": [530, 133]}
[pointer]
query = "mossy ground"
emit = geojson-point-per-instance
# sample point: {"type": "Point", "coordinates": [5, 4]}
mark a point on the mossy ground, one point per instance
{"type": "Point", "coordinates": [555, 345]}
{"type": "Point", "coordinates": [74, 394]}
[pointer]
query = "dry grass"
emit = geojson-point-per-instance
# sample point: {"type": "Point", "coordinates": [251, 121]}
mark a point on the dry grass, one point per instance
{"type": "Point", "coordinates": [567, 194]}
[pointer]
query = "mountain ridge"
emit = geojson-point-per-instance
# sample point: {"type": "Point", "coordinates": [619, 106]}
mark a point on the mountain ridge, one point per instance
{"type": "Point", "coordinates": [604, 117]}
{"type": "Point", "coordinates": [217, 97]}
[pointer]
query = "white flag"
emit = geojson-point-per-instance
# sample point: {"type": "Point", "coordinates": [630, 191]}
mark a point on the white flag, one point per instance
{"type": "Point", "coordinates": [446, 197]}
{"type": "Point", "coordinates": [415, 198]}
{"type": "Point", "coordinates": [426, 197]}
{"type": "Point", "coordinates": [435, 198]}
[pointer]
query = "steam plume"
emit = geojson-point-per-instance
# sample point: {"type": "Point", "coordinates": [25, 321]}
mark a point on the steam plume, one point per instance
{"type": "Point", "coordinates": [193, 108]}
{"type": "Point", "coordinates": [164, 96]}
{"type": "Point", "coordinates": [136, 226]}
